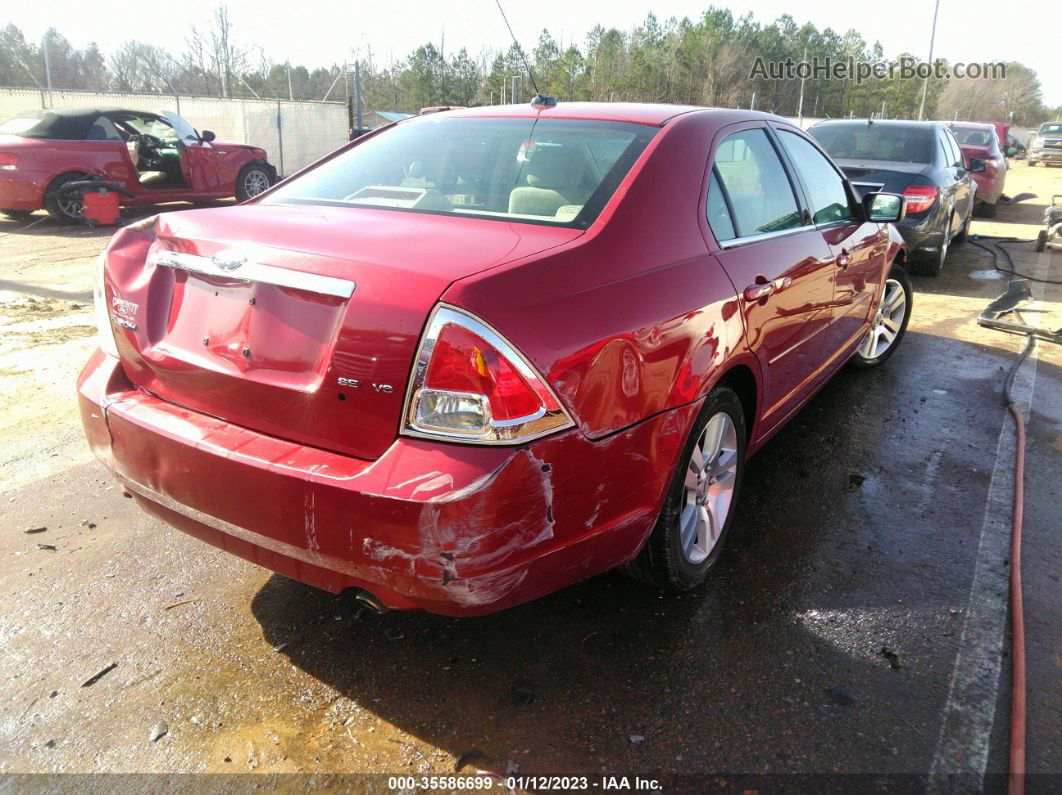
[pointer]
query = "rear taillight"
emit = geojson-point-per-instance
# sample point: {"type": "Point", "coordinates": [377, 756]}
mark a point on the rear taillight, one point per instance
{"type": "Point", "coordinates": [104, 329]}
{"type": "Point", "coordinates": [8, 161]}
{"type": "Point", "coordinates": [919, 198]}
{"type": "Point", "coordinates": [471, 385]}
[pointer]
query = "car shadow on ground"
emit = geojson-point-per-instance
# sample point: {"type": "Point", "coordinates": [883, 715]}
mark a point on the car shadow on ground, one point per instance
{"type": "Point", "coordinates": [855, 540]}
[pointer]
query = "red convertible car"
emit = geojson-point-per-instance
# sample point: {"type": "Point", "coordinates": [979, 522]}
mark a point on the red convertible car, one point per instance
{"type": "Point", "coordinates": [155, 158]}
{"type": "Point", "coordinates": [481, 355]}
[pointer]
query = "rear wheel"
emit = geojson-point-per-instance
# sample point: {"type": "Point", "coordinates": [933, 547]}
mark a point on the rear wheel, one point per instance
{"type": "Point", "coordinates": [1041, 240]}
{"type": "Point", "coordinates": [935, 264]}
{"type": "Point", "coordinates": [692, 527]}
{"type": "Point", "coordinates": [889, 323]}
{"type": "Point", "coordinates": [988, 210]}
{"type": "Point", "coordinates": [254, 178]}
{"type": "Point", "coordinates": [64, 208]}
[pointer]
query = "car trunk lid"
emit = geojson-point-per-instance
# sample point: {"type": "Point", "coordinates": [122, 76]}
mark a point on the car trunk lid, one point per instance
{"type": "Point", "coordinates": [297, 322]}
{"type": "Point", "coordinates": [891, 176]}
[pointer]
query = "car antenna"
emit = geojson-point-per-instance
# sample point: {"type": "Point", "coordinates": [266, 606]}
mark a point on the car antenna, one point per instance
{"type": "Point", "coordinates": [539, 100]}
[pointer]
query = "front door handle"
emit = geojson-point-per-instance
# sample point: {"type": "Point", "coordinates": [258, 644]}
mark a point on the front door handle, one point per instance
{"type": "Point", "coordinates": [764, 288]}
{"type": "Point", "coordinates": [843, 259]}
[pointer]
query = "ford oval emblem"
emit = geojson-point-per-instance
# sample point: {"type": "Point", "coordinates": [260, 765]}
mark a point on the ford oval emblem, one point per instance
{"type": "Point", "coordinates": [228, 260]}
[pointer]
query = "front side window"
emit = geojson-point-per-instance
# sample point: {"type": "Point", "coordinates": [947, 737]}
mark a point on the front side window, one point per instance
{"type": "Point", "coordinates": [547, 171]}
{"type": "Point", "coordinates": [829, 197]}
{"type": "Point", "coordinates": [761, 197]}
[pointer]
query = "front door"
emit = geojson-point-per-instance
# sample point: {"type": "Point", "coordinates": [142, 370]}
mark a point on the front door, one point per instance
{"type": "Point", "coordinates": [857, 246]}
{"type": "Point", "coordinates": [778, 261]}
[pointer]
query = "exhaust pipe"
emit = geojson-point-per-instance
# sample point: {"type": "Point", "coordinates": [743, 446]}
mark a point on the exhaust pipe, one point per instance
{"type": "Point", "coordinates": [368, 600]}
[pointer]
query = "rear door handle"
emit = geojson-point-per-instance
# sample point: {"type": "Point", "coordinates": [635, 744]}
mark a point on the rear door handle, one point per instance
{"type": "Point", "coordinates": [843, 259]}
{"type": "Point", "coordinates": [763, 288]}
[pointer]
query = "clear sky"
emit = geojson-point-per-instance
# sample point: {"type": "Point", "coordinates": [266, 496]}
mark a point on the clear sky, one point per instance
{"type": "Point", "coordinates": [322, 32]}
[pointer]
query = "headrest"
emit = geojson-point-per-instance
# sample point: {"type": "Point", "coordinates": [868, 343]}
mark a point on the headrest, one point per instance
{"type": "Point", "coordinates": [554, 167]}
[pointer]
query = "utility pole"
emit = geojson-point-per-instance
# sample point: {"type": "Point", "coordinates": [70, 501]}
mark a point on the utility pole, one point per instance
{"type": "Point", "coordinates": [925, 83]}
{"type": "Point", "coordinates": [752, 106]}
{"type": "Point", "coordinates": [47, 62]}
{"type": "Point", "coordinates": [513, 100]}
{"type": "Point", "coordinates": [800, 106]}
{"type": "Point", "coordinates": [357, 93]}
{"type": "Point", "coordinates": [291, 96]}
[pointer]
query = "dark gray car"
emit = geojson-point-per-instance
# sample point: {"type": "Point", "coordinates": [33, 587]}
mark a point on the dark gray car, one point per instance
{"type": "Point", "coordinates": [920, 160]}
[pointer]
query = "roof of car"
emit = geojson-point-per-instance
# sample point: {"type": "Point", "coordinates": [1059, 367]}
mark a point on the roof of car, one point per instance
{"type": "Point", "coordinates": [71, 123]}
{"type": "Point", "coordinates": [971, 125]}
{"type": "Point", "coordinates": [633, 112]}
{"type": "Point", "coordinates": [880, 122]}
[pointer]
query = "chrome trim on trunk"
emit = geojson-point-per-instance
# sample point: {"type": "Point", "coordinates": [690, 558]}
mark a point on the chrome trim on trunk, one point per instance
{"type": "Point", "coordinates": [256, 272]}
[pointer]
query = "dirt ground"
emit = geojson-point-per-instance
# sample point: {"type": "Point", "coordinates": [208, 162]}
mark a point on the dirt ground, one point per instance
{"type": "Point", "coordinates": [853, 625]}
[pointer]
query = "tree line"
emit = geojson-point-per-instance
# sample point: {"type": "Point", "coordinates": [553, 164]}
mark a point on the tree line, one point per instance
{"type": "Point", "coordinates": [706, 61]}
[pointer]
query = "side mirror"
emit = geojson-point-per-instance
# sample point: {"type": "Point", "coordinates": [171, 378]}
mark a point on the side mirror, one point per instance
{"type": "Point", "coordinates": [207, 136]}
{"type": "Point", "coordinates": [884, 208]}
{"type": "Point", "coordinates": [1011, 151]}
{"type": "Point", "coordinates": [976, 165]}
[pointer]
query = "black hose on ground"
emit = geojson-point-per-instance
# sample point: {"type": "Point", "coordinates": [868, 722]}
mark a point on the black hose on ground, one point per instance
{"type": "Point", "coordinates": [998, 243]}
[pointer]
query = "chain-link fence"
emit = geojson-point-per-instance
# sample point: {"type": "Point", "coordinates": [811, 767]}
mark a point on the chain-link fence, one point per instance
{"type": "Point", "coordinates": [293, 133]}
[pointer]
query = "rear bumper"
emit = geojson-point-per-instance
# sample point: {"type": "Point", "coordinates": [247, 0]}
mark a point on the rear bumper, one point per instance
{"type": "Point", "coordinates": [22, 190]}
{"type": "Point", "coordinates": [451, 529]}
{"type": "Point", "coordinates": [923, 236]}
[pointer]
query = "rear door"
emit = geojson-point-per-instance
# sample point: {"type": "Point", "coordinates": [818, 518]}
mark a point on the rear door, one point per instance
{"type": "Point", "coordinates": [779, 262]}
{"type": "Point", "coordinates": [955, 187]}
{"type": "Point", "coordinates": [857, 246]}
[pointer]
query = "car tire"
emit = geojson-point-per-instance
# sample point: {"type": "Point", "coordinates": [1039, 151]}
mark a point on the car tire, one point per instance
{"type": "Point", "coordinates": [889, 323]}
{"type": "Point", "coordinates": [253, 179]}
{"type": "Point", "coordinates": [932, 266]}
{"type": "Point", "coordinates": [677, 557]}
{"type": "Point", "coordinates": [1041, 240]}
{"type": "Point", "coordinates": [1031, 162]}
{"type": "Point", "coordinates": [989, 210]}
{"type": "Point", "coordinates": [65, 211]}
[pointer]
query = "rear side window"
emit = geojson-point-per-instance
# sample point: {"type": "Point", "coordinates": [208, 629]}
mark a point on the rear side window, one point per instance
{"type": "Point", "coordinates": [103, 129]}
{"type": "Point", "coordinates": [718, 213]}
{"type": "Point", "coordinates": [829, 198]}
{"type": "Point", "coordinates": [761, 197]}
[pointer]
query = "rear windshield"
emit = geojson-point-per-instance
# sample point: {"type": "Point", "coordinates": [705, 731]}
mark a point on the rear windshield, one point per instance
{"type": "Point", "coordinates": [544, 171]}
{"type": "Point", "coordinates": [971, 136]}
{"type": "Point", "coordinates": [876, 142]}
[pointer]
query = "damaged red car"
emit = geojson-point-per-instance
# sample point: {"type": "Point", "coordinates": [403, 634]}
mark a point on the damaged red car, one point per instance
{"type": "Point", "coordinates": [153, 158]}
{"type": "Point", "coordinates": [482, 355]}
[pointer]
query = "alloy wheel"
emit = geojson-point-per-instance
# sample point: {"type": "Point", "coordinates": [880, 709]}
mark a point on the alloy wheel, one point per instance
{"type": "Point", "coordinates": [887, 321]}
{"type": "Point", "coordinates": [255, 182]}
{"type": "Point", "coordinates": [71, 208]}
{"type": "Point", "coordinates": [709, 488]}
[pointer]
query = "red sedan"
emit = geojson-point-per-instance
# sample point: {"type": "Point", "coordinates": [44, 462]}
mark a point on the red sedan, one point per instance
{"type": "Point", "coordinates": [981, 142]}
{"type": "Point", "coordinates": [155, 158]}
{"type": "Point", "coordinates": [484, 354]}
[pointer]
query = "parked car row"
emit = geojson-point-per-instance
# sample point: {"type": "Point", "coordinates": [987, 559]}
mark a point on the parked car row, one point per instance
{"type": "Point", "coordinates": [924, 162]}
{"type": "Point", "coordinates": [153, 158]}
{"type": "Point", "coordinates": [487, 353]}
